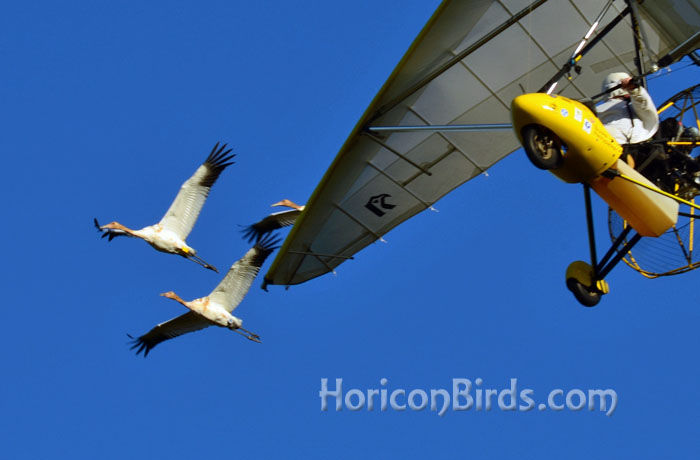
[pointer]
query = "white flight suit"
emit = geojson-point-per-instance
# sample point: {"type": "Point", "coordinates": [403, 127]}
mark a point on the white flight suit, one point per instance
{"type": "Point", "coordinates": [630, 120]}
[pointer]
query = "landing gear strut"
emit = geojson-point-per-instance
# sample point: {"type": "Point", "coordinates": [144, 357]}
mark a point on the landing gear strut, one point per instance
{"type": "Point", "coordinates": [586, 281]}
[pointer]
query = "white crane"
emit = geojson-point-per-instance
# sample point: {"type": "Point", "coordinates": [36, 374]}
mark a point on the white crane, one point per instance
{"type": "Point", "coordinates": [274, 221]}
{"type": "Point", "coordinates": [216, 308]}
{"type": "Point", "coordinates": [170, 233]}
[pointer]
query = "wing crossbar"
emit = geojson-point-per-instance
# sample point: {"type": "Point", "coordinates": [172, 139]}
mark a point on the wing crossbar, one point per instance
{"type": "Point", "coordinates": [359, 222]}
{"type": "Point", "coordinates": [399, 154]}
{"type": "Point", "coordinates": [466, 52]}
{"type": "Point", "coordinates": [316, 254]}
{"type": "Point", "coordinates": [383, 173]}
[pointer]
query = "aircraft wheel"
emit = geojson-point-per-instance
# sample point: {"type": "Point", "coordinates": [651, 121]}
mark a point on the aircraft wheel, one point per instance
{"type": "Point", "coordinates": [581, 282]}
{"type": "Point", "coordinates": [542, 147]}
{"type": "Point", "coordinates": [586, 296]}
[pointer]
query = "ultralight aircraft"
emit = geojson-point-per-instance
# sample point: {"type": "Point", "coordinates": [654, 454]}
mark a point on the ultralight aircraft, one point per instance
{"type": "Point", "coordinates": [471, 90]}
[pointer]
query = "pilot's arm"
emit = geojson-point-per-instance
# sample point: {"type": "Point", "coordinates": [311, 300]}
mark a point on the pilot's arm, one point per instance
{"type": "Point", "coordinates": [644, 107]}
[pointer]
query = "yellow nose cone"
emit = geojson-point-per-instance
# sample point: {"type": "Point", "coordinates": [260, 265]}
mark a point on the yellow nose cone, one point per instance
{"type": "Point", "coordinates": [589, 148]}
{"type": "Point", "coordinates": [534, 108]}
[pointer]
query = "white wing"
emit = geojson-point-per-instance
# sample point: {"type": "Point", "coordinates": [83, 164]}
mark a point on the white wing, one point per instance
{"type": "Point", "coordinates": [189, 322]}
{"type": "Point", "coordinates": [230, 292]}
{"type": "Point", "coordinates": [184, 211]}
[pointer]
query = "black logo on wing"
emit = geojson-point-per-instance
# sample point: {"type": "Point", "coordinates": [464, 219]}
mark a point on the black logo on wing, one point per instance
{"type": "Point", "coordinates": [378, 202]}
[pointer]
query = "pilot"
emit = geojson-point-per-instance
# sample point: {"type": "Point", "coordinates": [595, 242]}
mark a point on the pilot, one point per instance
{"type": "Point", "coordinates": [628, 113]}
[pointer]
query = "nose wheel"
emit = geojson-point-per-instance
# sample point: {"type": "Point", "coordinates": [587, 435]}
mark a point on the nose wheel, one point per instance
{"type": "Point", "coordinates": [542, 146]}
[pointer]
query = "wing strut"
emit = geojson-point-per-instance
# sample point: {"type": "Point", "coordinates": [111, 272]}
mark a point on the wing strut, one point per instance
{"type": "Point", "coordinates": [638, 48]}
{"type": "Point", "coordinates": [570, 64]}
{"type": "Point", "coordinates": [679, 51]}
{"type": "Point", "coordinates": [593, 27]}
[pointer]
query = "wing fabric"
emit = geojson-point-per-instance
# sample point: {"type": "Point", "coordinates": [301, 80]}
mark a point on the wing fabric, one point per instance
{"type": "Point", "coordinates": [189, 322]}
{"type": "Point", "coordinates": [183, 212]}
{"type": "Point", "coordinates": [270, 223]}
{"type": "Point", "coordinates": [235, 285]}
{"type": "Point", "coordinates": [466, 66]}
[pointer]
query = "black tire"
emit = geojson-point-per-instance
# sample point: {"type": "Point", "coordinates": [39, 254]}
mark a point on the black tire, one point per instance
{"type": "Point", "coordinates": [586, 296]}
{"type": "Point", "coordinates": [542, 146]}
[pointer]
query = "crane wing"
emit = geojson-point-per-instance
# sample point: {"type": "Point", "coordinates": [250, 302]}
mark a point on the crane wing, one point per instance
{"type": "Point", "coordinates": [235, 285]}
{"type": "Point", "coordinates": [188, 322]}
{"type": "Point", "coordinates": [270, 223]}
{"type": "Point", "coordinates": [465, 67]}
{"type": "Point", "coordinates": [183, 212]}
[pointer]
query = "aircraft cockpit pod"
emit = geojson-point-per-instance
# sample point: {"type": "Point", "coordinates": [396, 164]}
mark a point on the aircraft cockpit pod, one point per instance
{"type": "Point", "coordinates": [563, 136]}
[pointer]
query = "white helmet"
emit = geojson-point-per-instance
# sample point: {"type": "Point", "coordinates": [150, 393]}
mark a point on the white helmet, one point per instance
{"type": "Point", "coordinates": [614, 79]}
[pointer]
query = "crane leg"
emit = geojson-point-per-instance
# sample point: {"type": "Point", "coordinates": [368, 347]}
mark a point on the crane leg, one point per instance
{"type": "Point", "coordinates": [201, 262]}
{"type": "Point", "coordinates": [248, 335]}
{"type": "Point", "coordinates": [252, 334]}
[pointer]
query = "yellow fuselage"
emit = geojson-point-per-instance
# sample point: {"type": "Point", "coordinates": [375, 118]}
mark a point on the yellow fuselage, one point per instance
{"type": "Point", "coordinates": [590, 149]}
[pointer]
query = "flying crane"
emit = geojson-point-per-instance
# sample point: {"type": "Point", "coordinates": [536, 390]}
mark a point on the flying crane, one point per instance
{"type": "Point", "coordinates": [216, 308]}
{"type": "Point", "coordinates": [170, 233]}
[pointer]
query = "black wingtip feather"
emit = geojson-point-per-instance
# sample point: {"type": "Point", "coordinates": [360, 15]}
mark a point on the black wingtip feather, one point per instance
{"type": "Point", "coordinates": [252, 233]}
{"type": "Point", "coordinates": [216, 162]}
{"type": "Point", "coordinates": [218, 158]}
{"type": "Point", "coordinates": [141, 345]}
{"type": "Point", "coordinates": [249, 233]}
{"type": "Point", "coordinates": [264, 247]}
{"type": "Point", "coordinates": [268, 243]}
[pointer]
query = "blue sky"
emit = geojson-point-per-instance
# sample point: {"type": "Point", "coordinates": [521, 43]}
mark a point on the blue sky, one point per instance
{"type": "Point", "coordinates": [108, 107]}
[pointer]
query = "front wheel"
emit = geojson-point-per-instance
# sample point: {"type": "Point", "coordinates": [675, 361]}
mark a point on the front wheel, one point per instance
{"type": "Point", "coordinates": [586, 296]}
{"type": "Point", "coordinates": [542, 146]}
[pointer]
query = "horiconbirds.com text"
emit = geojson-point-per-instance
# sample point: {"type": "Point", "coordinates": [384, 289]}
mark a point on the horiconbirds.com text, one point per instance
{"type": "Point", "coordinates": [463, 395]}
